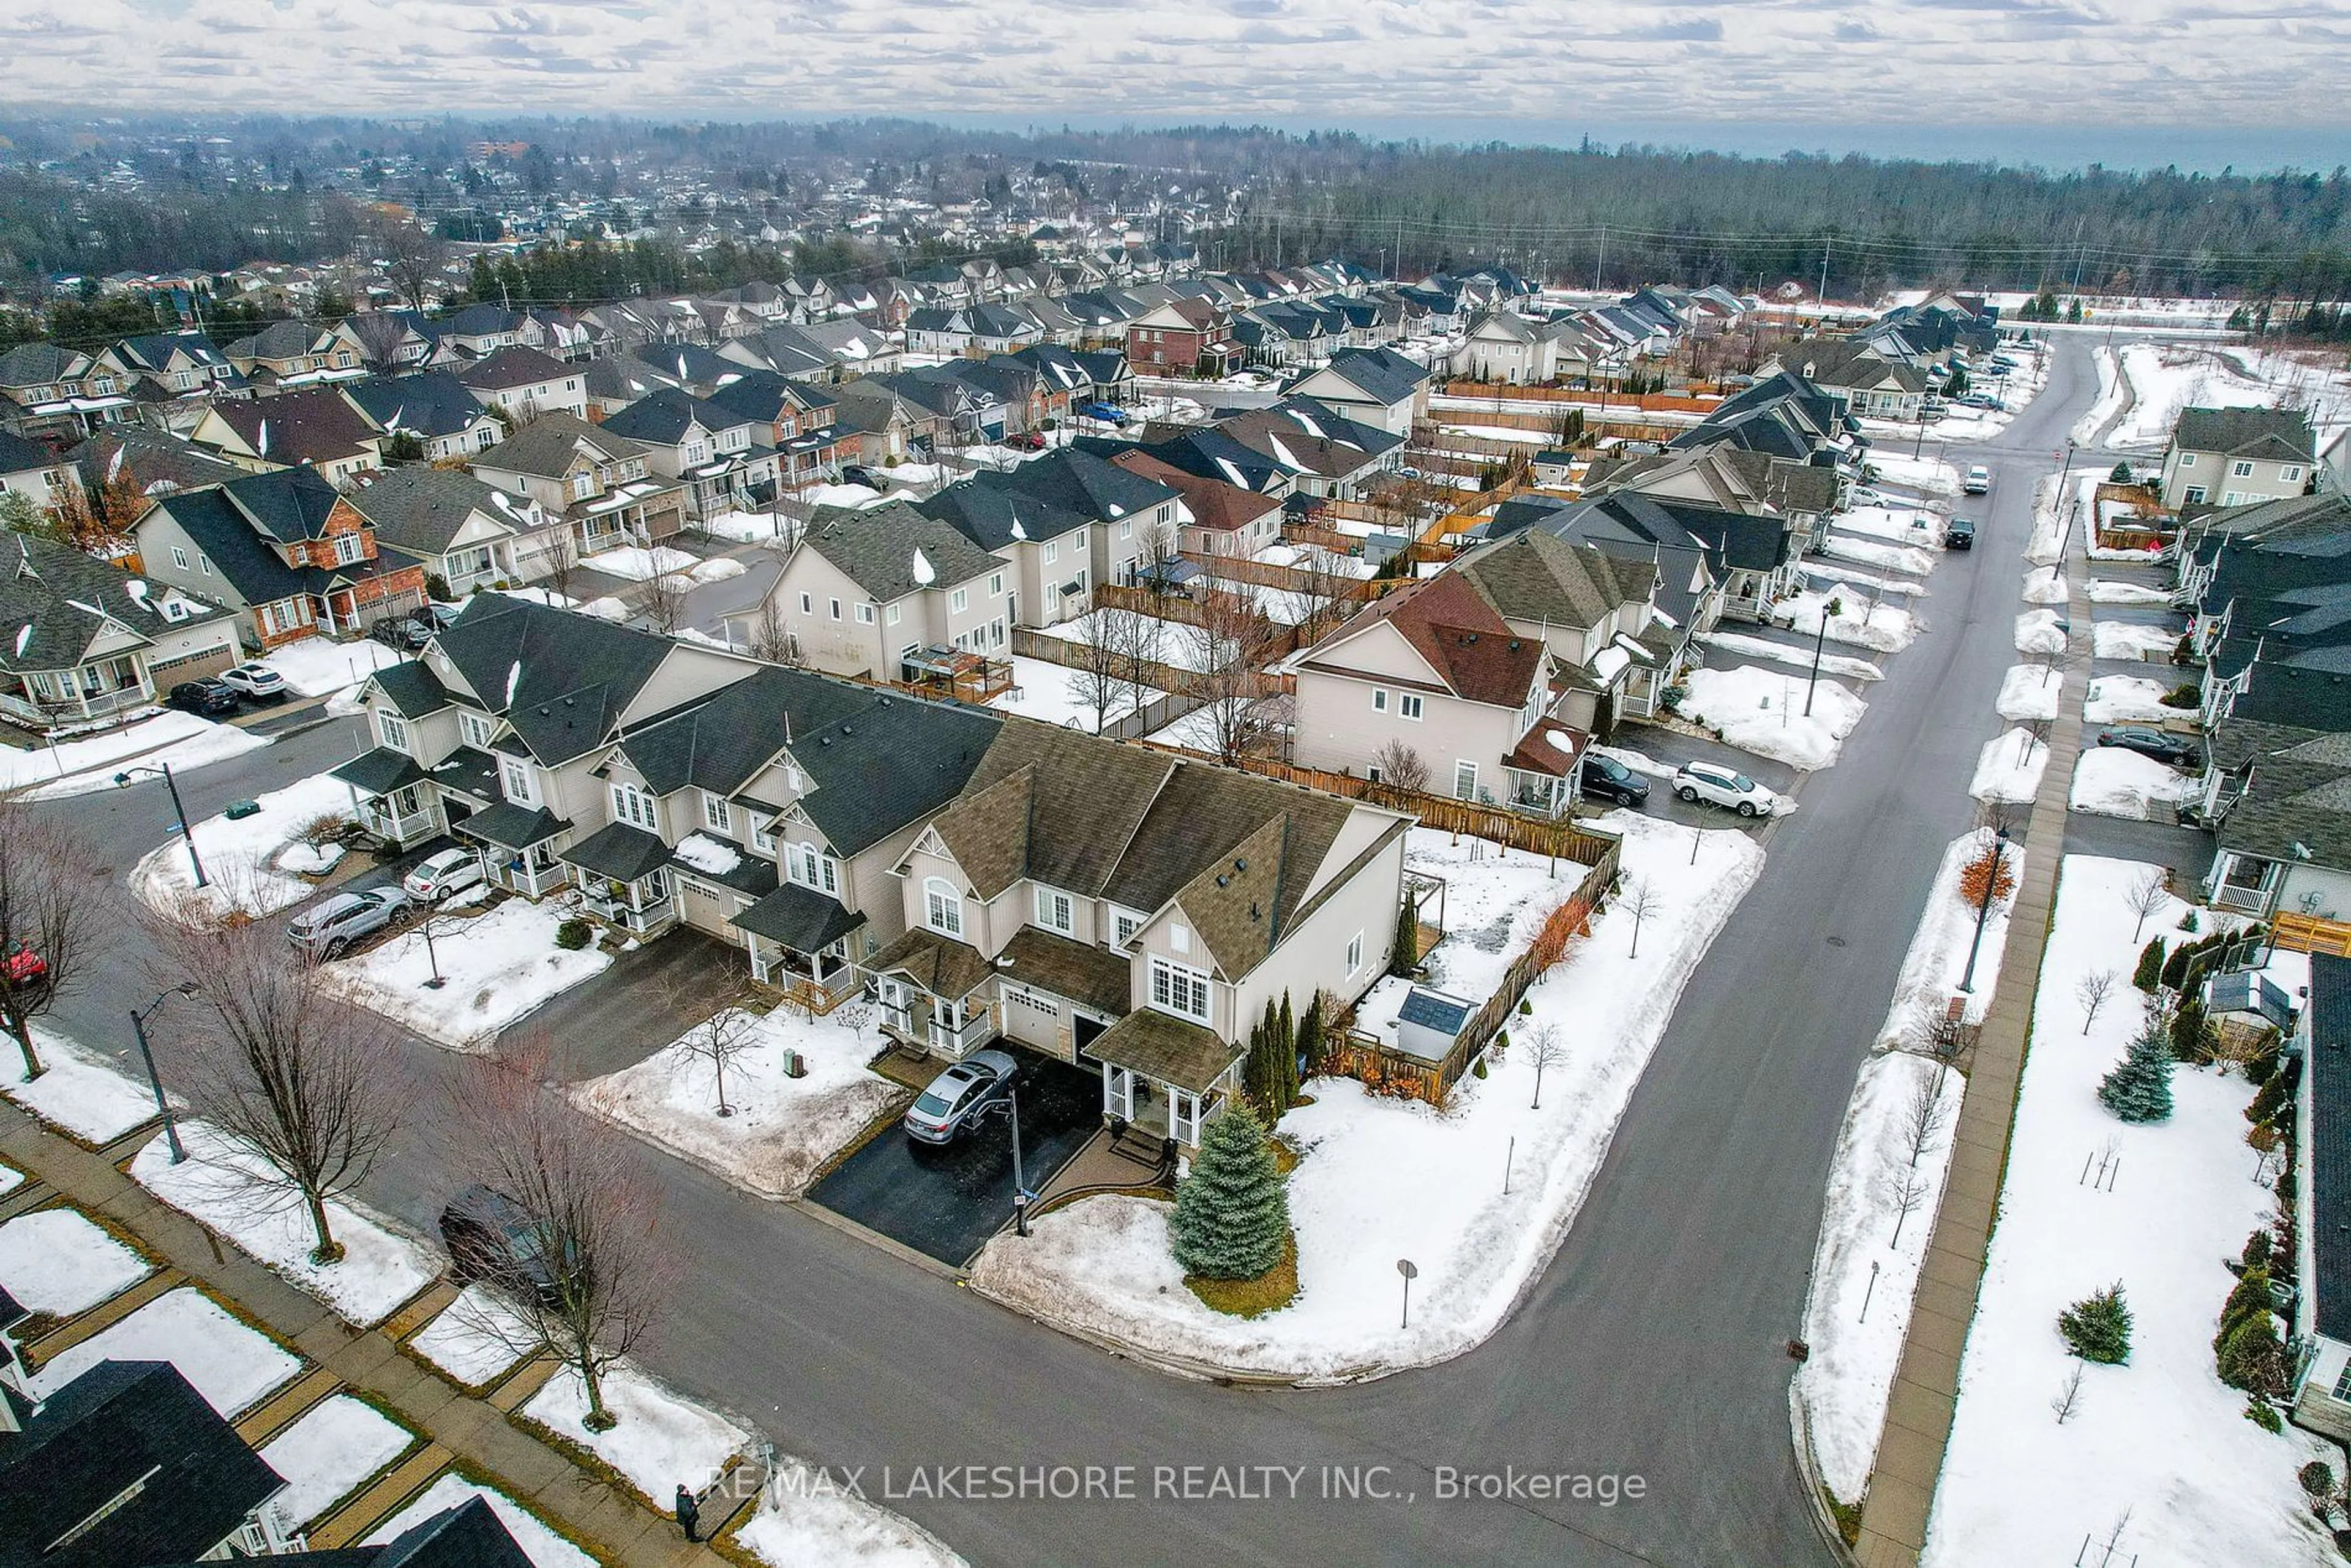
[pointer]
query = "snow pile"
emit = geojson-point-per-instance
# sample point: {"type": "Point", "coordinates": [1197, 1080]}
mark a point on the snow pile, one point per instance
{"type": "Point", "coordinates": [233, 1366]}
{"type": "Point", "coordinates": [715, 571]}
{"type": "Point", "coordinates": [325, 1456]}
{"type": "Point", "coordinates": [309, 860]}
{"type": "Point", "coordinates": [2040, 631]}
{"type": "Point", "coordinates": [314, 667]}
{"type": "Point", "coordinates": [1763, 711]}
{"type": "Point", "coordinates": [705, 854]}
{"type": "Point", "coordinates": [81, 767]}
{"type": "Point", "coordinates": [799, 1525]}
{"type": "Point", "coordinates": [2112, 782]}
{"type": "Point", "coordinates": [2010, 767]}
{"type": "Point", "coordinates": [661, 1442]}
{"type": "Point", "coordinates": [1784, 654]}
{"type": "Point", "coordinates": [2046, 585]}
{"type": "Point", "coordinates": [2126, 699]}
{"type": "Point", "coordinates": [638, 564]}
{"type": "Point", "coordinates": [497, 967]}
{"type": "Point", "coordinates": [240, 857]}
{"type": "Point", "coordinates": [2158, 1438]}
{"type": "Point", "coordinates": [78, 1091]}
{"type": "Point", "coordinates": [743, 528]}
{"type": "Point", "coordinates": [2107, 590]}
{"type": "Point", "coordinates": [2029, 692]}
{"type": "Point", "coordinates": [2125, 639]}
{"type": "Point", "coordinates": [54, 1260]}
{"type": "Point", "coordinates": [1905, 559]}
{"type": "Point", "coordinates": [1937, 958]}
{"type": "Point", "coordinates": [1058, 694]}
{"type": "Point", "coordinates": [231, 1191]}
{"type": "Point", "coordinates": [1859, 619]}
{"type": "Point", "coordinates": [476, 1339]}
{"type": "Point", "coordinates": [1426, 1182]}
{"type": "Point", "coordinates": [605, 609]}
{"type": "Point", "coordinates": [783, 1128]}
{"type": "Point", "coordinates": [540, 1544]}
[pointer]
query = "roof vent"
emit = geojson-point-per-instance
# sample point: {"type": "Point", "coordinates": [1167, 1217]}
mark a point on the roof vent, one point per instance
{"type": "Point", "coordinates": [1255, 914]}
{"type": "Point", "coordinates": [1241, 865]}
{"type": "Point", "coordinates": [1514, 645]}
{"type": "Point", "coordinates": [1470, 640]}
{"type": "Point", "coordinates": [542, 713]}
{"type": "Point", "coordinates": [1223, 880]}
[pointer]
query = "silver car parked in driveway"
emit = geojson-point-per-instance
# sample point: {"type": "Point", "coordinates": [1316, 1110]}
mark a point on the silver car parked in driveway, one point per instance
{"type": "Point", "coordinates": [1720, 785]}
{"type": "Point", "coordinates": [335, 922]}
{"type": "Point", "coordinates": [958, 1098]}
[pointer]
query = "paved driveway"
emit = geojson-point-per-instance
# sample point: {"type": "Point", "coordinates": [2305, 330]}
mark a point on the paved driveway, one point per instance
{"type": "Point", "coordinates": [649, 996]}
{"type": "Point", "coordinates": [946, 1203]}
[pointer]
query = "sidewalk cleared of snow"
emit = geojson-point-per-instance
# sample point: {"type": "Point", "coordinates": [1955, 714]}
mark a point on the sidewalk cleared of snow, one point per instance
{"type": "Point", "coordinates": [1428, 1184]}
{"type": "Point", "coordinates": [89, 764]}
{"type": "Point", "coordinates": [240, 856]}
{"type": "Point", "coordinates": [497, 967]}
{"type": "Point", "coordinates": [58, 1261]}
{"type": "Point", "coordinates": [1763, 711]}
{"type": "Point", "coordinates": [2112, 782]}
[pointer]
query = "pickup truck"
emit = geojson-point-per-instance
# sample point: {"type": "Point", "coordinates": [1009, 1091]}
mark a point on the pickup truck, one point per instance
{"type": "Point", "coordinates": [1960, 533]}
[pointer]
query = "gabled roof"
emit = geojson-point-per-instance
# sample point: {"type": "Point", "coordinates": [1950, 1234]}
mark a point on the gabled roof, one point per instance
{"type": "Point", "coordinates": [1215, 504]}
{"type": "Point", "coordinates": [561, 679]}
{"type": "Point", "coordinates": [1465, 643]}
{"type": "Point", "coordinates": [720, 744]}
{"type": "Point", "coordinates": [2277, 434]}
{"type": "Point", "coordinates": [41, 363]}
{"type": "Point", "coordinates": [624, 377]}
{"type": "Point", "coordinates": [890, 550]}
{"type": "Point", "coordinates": [154, 462]}
{"type": "Point", "coordinates": [312, 426]}
{"type": "Point", "coordinates": [997, 518]}
{"type": "Point", "coordinates": [421, 510]}
{"type": "Point", "coordinates": [662, 418]}
{"type": "Point", "coordinates": [467, 1536]}
{"type": "Point", "coordinates": [515, 366]}
{"type": "Point", "coordinates": [1080, 482]}
{"type": "Point", "coordinates": [1536, 576]}
{"type": "Point", "coordinates": [55, 602]}
{"type": "Point", "coordinates": [889, 763]}
{"type": "Point", "coordinates": [432, 403]}
{"type": "Point", "coordinates": [1381, 375]}
{"type": "Point", "coordinates": [547, 445]}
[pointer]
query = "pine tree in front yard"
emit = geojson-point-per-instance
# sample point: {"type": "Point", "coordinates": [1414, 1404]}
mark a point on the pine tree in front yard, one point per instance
{"type": "Point", "coordinates": [2150, 973]}
{"type": "Point", "coordinates": [2139, 1089]}
{"type": "Point", "coordinates": [1232, 1213]}
{"type": "Point", "coordinates": [2098, 1327]}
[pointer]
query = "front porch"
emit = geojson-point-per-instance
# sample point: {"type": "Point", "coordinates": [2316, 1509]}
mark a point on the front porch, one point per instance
{"type": "Point", "coordinates": [1540, 770]}
{"type": "Point", "coordinates": [393, 798]}
{"type": "Point", "coordinates": [932, 990]}
{"type": "Point", "coordinates": [517, 846]}
{"type": "Point", "coordinates": [87, 694]}
{"type": "Point", "coordinates": [623, 877]}
{"type": "Point", "coordinates": [1162, 1076]}
{"type": "Point", "coordinates": [798, 943]}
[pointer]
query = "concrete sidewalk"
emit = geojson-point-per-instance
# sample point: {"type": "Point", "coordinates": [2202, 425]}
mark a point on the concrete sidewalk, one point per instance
{"type": "Point", "coordinates": [1925, 1385]}
{"type": "Point", "coordinates": [618, 1528]}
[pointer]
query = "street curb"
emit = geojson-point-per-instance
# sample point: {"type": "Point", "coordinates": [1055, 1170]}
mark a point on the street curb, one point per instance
{"type": "Point", "coordinates": [1173, 1365]}
{"type": "Point", "coordinates": [1800, 1428]}
{"type": "Point", "coordinates": [872, 1237]}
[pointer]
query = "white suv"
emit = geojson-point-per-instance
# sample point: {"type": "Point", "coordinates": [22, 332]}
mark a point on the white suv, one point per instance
{"type": "Point", "coordinates": [1717, 785]}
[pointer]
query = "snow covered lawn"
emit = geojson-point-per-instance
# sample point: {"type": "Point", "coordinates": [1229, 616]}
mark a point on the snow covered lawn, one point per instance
{"type": "Point", "coordinates": [1763, 711]}
{"type": "Point", "coordinates": [1882, 627]}
{"type": "Point", "coordinates": [58, 1261]}
{"type": "Point", "coordinates": [1905, 559]}
{"type": "Point", "coordinates": [2158, 1437]}
{"type": "Point", "coordinates": [1931, 474]}
{"type": "Point", "coordinates": [79, 1091]}
{"type": "Point", "coordinates": [314, 667]}
{"type": "Point", "coordinates": [233, 1366]}
{"type": "Point", "coordinates": [1907, 525]}
{"type": "Point", "coordinates": [2112, 782]}
{"type": "Point", "coordinates": [1058, 695]}
{"type": "Point", "coordinates": [2106, 591]}
{"type": "Point", "coordinates": [2163, 381]}
{"type": "Point", "coordinates": [1385, 1178]}
{"type": "Point", "coordinates": [337, 1445]}
{"type": "Point", "coordinates": [2009, 767]}
{"type": "Point", "coordinates": [743, 528]}
{"type": "Point", "coordinates": [2128, 640]}
{"type": "Point", "coordinates": [662, 1441]}
{"type": "Point", "coordinates": [782, 1128]}
{"type": "Point", "coordinates": [2126, 699]}
{"type": "Point", "coordinates": [1170, 643]}
{"type": "Point", "coordinates": [2040, 631]}
{"type": "Point", "coordinates": [81, 767]}
{"type": "Point", "coordinates": [498, 967]}
{"type": "Point", "coordinates": [1843, 665]}
{"type": "Point", "coordinates": [810, 1529]}
{"type": "Point", "coordinates": [637, 563]}
{"type": "Point", "coordinates": [2028, 691]}
{"type": "Point", "coordinates": [540, 1544]}
{"type": "Point", "coordinates": [232, 1191]}
{"type": "Point", "coordinates": [475, 1339]}
{"type": "Point", "coordinates": [2046, 585]}
{"type": "Point", "coordinates": [240, 857]}
{"type": "Point", "coordinates": [1937, 958]}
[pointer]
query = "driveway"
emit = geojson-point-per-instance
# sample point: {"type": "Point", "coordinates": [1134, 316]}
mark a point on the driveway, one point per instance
{"type": "Point", "coordinates": [649, 996]}
{"type": "Point", "coordinates": [946, 1203]}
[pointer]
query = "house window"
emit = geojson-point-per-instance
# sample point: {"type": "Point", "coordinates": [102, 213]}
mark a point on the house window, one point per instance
{"type": "Point", "coordinates": [865, 615]}
{"type": "Point", "coordinates": [515, 774]}
{"type": "Point", "coordinates": [808, 604]}
{"type": "Point", "coordinates": [2291, 474]}
{"type": "Point", "coordinates": [1408, 704]}
{"type": "Point", "coordinates": [179, 558]}
{"type": "Point", "coordinates": [2192, 496]}
{"type": "Point", "coordinates": [348, 547]}
{"type": "Point", "coordinates": [1125, 925]}
{"type": "Point", "coordinates": [1052, 551]}
{"type": "Point", "coordinates": [1379, 700]}
{"type": "Point", "coordinates": [812, 867]}
{"type": "Point", "coordinates": [2241, 471]}
{"type": "Point", "coordinates": [836, 609]}
{"type": "Point", "coordinates": [633, 806]}
{"type": "Point", "coordinates": [960, 601]}
{"type": "Point", "coordinates": [892, 617]}
{"type": "Point", "coordinates": [204, 564]}
{"type": "Point", "coordinates": [2343, 1383]}
{"type": "Point", "coordinates": [1177, 989]}
{"type": "Point", "coordinates": [475, 729]}
{"type": "Point", "coordinates": [393, 729]}
{"type": "Point", "coordinates": [1464, 780]}
{"type": "Point", "coordinates": [717, 813]}
{"type": "Point", "coordinates": [942, 907]}
{"type": "Point", "coordinates": [996, 585]}
{"type": "Point", "coordinates": [1355, 953]}
{"type": "Point", "coordinates": [2188, 460]}
{"type": "Point", "coordinates": [1055, 912]}
{"type": "Point", "coordinates": [763, 837]}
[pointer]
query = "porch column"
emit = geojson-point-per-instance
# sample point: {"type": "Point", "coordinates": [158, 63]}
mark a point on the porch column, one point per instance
{"type": "Point", "coordinates": [1118, 1092]}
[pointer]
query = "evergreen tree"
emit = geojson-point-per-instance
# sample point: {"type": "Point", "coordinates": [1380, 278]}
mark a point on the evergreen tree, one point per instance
{"type": "Point", "coordinates": [1286, 1078]}
{"type": "Point", "coordinates": [2175, 968]}
{"type": "Point", "coordinates": [1309, 1032]}
{"type": "Point", "coordinates": [2150, 973]}
{"type": "Point", "coordinates": [2250, 1299]}
{"type": "Point", "coordinates": [2139, 1089]}
{"type": "Point", "coordinates": [2194, 1035]}
{"type": "Point", "coordinates": [1232, 1213]}
{"type": "Point", "coordinates": [1406, 953]}
{"type": "Point", "coordinates": [2251, 1358]}
{"type": "Point", "coordinates": [2098, 1327]}
{"type": "Point", "coordinates": [2268, 1101]}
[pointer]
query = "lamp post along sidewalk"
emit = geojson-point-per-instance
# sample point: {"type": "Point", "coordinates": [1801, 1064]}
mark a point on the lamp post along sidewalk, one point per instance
{"type": "Point", "coordinates": [139, 1017]}
{"type": "Point", "coordinates": [122, 780]}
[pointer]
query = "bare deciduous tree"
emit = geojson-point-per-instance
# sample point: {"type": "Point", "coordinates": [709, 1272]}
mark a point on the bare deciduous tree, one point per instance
{"type": "Point", "coordinates": [1923, 1115]}
{"type": "Point", "coordinates": [562, 559]}
{"type": "Point", "coordinates": [1544, 1049]}
{"type": "Point", "coordinates": [2093, 989]}
{"type": "Point", "coordinates": [2068, 1398]}
{"type": "Point", "coordinates": [1163, 545]}
{"type": "Point", "coordinates": [1140, 640]}
{"type": "Point", "coordinates": [598, 1272]}
{"type": "Point", "coordinates": [411, 254]}
{"type": "Point", "coordinates": [722, 1039]}
{"type": "Point", "coordinates": [1905, 1191]}
{"type": "Point", "coordinates": [1640, 900]}
{"type": "Point", "coordinates": [1225, 643]}
{"type": "Point", "coordinates": [665, 600]}
{"type": "Point", "coordinates": [303, 1080]}
{"type": "Point", "coordinates": [53, 935]}
{"type": "Point", "coordinates": [1098, 673]}
{"type": "Point", "coordinates": [2146, 895]}
{"type": "Point", "coordinates": [770, 639]}
{"type": "Point", "coordinates": [1401, 766]}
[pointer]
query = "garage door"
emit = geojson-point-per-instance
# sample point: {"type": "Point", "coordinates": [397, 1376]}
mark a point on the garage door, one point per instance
{"type": "Point", "coordinates": [194, 666]}
{"type": "Point", "coordinates": [705, 909]}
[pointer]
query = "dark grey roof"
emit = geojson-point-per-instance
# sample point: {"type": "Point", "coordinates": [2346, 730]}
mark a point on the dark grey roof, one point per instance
{"type": "Point", "coordinates": [467, 1536]}
{"type": "Point", "coordinates": [620, 852]}
{"type": "Point", "coordinates": [18, 456]}
{"type": "Point", "coordinates": [878, 550]}
{"type": "Point", "coordinates": [2297, 806]}
{"type": "Point", "coordinates": [561, 679]}
{"type": "Point", "coordinates": [995, 517]}
{"type": "Point", "coordinates": [414, 688]}
{"type": "Point", "coordinates": [1383, 375]}
{"type": "Point", "coordinates": [662, 418]}
{"type": "Point", "coordinates": [624, 377]}
{"type": "Point", "coordinates": [432, 403]}
{"type": "Point", "coordinates": [511, 827]}
{"type": "Point", "coordinates": [2268, 432]}
{"type": "Point", "coordinates": [148, 459]}
{"type": "Point", "coordinates": [515, 366]}
{"type": "Point", "coordinates": [719, 745]}
{"type": "Point", "coordinates": [897, 762]}
{"type": "Point", "coordinates": [1434, 1009]}
{"type": "Point", "coordinates": [1629, 517]}
{"type": "Point", "coordinates": [547, 445]}
{"type": "Point", "coordinates": [419, 510]}
{"type": "Point", "coordinates": [2329, 1138]}
{"type": "Point", "coordinates": [55, 602]}
{"type": "Point", "coordinates": [801, 918]}
{"type": "Point", "coordinates": [1080, 481]}
{"type": "Point", "coordinates": [749, 875]}
{"type": "Point", "coordinates": [380, 771]}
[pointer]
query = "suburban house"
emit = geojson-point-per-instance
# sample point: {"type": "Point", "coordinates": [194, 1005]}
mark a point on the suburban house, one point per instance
{"type": "Point", "coordinates": [1217, 518]}
{"type": "Point", "coordinates": [1597, 615]}
{"type": "Point", "coordinates": [284, 547]}
{"type": "Point", "coordinates": [1189, 337]}
{"type": "Point", "coordinates": [2277, 801]}
{"type": "Point", "coordinates": [1751, 559]}
{"type": "Point", "coordinates": [795, 419]}
{"type": "Point", "coordinates": [891, 594]}
{"type": "Point", "coordinates": [716, 452]}
{"type": "Point", "coordinates": [163, 368]}
{"type": "Point", "coordinates": [148, 461]}
{"type": "Point", "coordinates": [317, 429]}
{"type": "Point", "coordinates": [2265, 584]}
{"type": "Point", "coordinates": [46, 390]}
{"type": "Point", "coordinates": [446, 419]}
{"type": "Point", "coordinates": [296, 354]}
{"type": "Point", "coordinates": [1730, 478]}
{"type": "Point", "coordinates": [31, 470]}
{"type": "Point", "coordinates": [2322, 1309]}
{"type": "Point", "coordinates": [92, 641]}
{"type": "Point", "coordinates": [604, 487]}
{"type": "Point", "coordinates": [461, 530]}
{"type": "Point", "coordinates": [1127, 512]}
{"type": "Point", "coordinates": [525, 383]}
{"type": "Point", "coordinates": [1863, 382]}
{"type": "Point", "coordinates": [2236, 456]}
{"type": "Point", "coordinates": [391, 341]}
{"type": "Point", "coordinates": [971, 329]}
{"type": "Point", "coordinates": [1372, 386]}
{"type": "Point", "coordinates": [1046, 546]}
{"type": "Point", "coordinates": [1324, 452]}
{"type": "Point", "coordinates": [1502, 345]}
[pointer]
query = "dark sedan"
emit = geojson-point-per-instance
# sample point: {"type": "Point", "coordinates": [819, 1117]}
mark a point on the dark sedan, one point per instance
{"type": "Point", "coordinates": [2148, 742]}
{"type": "Point", "coordinates": [1606, 778]}
{"type": "Point", "coordinates": [206, 697]}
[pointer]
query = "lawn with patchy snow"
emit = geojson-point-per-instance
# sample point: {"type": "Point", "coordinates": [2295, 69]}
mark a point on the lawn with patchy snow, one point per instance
{"type": "Point", "coordinates": [497, 967]}
{"type": "Point", "coordinates": [240, 857]}
{"type": "Point", "coordinates": [636, 563]}
{"type": "Point", "coordinates": [78, 1091]}
{"type": "Point", "coordinates": [81, 767]}
{"type": "Point", "coordinates": [476, 1339]}
{"type": "Point", "coordinates": [58, 1261]}
{"type": "Point", "coordinates": [1427, 1183]}
{"type": "Point", "coordinates": [2112, 782]}
{"type": "Point", "coordinates": [782, 1128]}
{"type": "Point", "coordinates": [233, 1366]}
{"type": "Point", "coordinates": [1887, 627]}
{"type": "Point", "coordinates": [2159, 1437]}
{"type": "Point", "coordinates": [2030, 691]}
{"type": "Point", "coordinates": [661, 1442]}
{"type": "Point", "coordinates": [2126, 699]}
{"type": "Point", "coordinates": [2041, 631]}
{"type": "Point", "coordinates": [1060, 694]}
{"type": "Point", "coordinates": [2009, 766]}
{"type": "Point", "coordinates": [541, 1544]}
{"type": "Point", "coordinates": [335, 1449]}
{"type": "Point", "coordinates": [1763, 711]}
{"type": "Point", "coordinates": [232, 1191]}
{"type": "Point", "coordinates": [2128, 640]}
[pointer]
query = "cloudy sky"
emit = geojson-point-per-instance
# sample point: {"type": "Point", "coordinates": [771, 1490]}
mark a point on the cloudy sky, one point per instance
{"type": "Point", "coordinates": [2121, 77]}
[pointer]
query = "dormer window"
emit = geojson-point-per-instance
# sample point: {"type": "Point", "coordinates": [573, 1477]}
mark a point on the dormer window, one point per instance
{"type": "Point", "coordinates": [1055, 911]}
{"type": "Point", "coordinates": [348, 548]}
{"type": "Point", "coordinates": [942, 907]}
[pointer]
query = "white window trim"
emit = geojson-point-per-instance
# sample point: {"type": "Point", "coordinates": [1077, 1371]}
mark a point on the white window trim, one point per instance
{"type": "Point", "coordinates": [942, 907]}
{"type": "Point", "coordinates": [635, 807]}
{"type": "Point", "coordinates": [1056, 911]}
{"type": "Point", "coordinates": [1411, 706]}
{"type": "Point", "coordinates": [514, 777]}
{"type": "Point", "coordinates": [391, 729]}
{"type": "Point", "coordinates": [1379, 699]}
{"type": "Point", "coordinates": [960, 601]}
{"type": "Point", "coordinates": [1180, 991]}
{"type": "Point", "coordinates": [1355, 953]}
{"type": "Point", "coordinates": [717, 813]}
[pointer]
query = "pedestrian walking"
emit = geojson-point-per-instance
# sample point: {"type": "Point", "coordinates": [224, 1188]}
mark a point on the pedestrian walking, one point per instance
{"type": "Point", "coordinates": [689, 1513]}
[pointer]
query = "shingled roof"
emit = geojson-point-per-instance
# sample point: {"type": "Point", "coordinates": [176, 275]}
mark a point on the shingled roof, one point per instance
{"type": "Point", "coordinates": [55, 602]}
{"type": "Point", "coordinates": [561, 680]}
{"type": "Point", "coordinates": [1536, 576]}
{"type": "Point", "coordinates": [2276, 433]}
{"type": "Point", "coordinates": [891, 550]}
{"type": "Point", "coordinates": [1465, 643]}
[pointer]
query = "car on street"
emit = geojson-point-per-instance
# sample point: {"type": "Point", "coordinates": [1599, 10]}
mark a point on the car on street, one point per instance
{"type": "Point", "coordinates": [1960, 533]}
{"type": "Point", "coordinates": [203, 696]}
{"type": "Point", "coordinates": [330, 927]}
{"type": "Point", "coordinates": [26, 968]}
{"type": "Point", "coordinates": [2148, 741]}
{"type": "Point", "coordinates": [1724, 787]}
{"type": "Point", "coordinates": [1606, 778]}
{"type": "Point", "coordinates": [1979, 481]}
{"type": "Point", "coordinates": [958, 1098]}
{"type": "Point", "coordinates": [437, 877]}
{"type": "Point", "coordinates": [493, 1238]}
{"type": "Point", "coordinates": [259, 682]}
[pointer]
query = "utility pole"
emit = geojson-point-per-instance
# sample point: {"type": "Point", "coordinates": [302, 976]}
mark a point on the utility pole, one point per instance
{"type": "Point", "coordinates": [1601, 260]}
{"type": "Point", "coordinates": [1825, 243]}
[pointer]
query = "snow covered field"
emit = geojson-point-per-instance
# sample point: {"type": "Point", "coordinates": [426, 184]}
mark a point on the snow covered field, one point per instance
{"type": "Point", "coordinates": [541, 1545]}
{"type": "Point", "coordinates": [662, 1441]}
{"type": "Point", "coordinates": [58, 1261]}
{"type": "Point", "coordinates": [1763, 711]}
{"type": "Point", "coordinates": [2112, 782]}
{"type": "Point", "coordinates": [338, 1444]}
{"type": "Point", "coordinates": [231, 1191]}
{"type": "Point", "coordinates": [498, 967]}
{"type": "Point", "coordinates": [2128, 640]}
{"type": "Point", "coordinates": [783, 1128]}
{"type": "Point", "coordinates": [2010, 767]}
{"type": "Point", "coordinates": [233, 1366]}
{"type": "Point", "coordinates": [1860, 619]}
{"type": "Point", "coordinates": [743, 528]}
{"type": "Point", "coordinates": [2164, 380]}
{"type": "Point", "coordinates": [2159, 1437]}
{"type": "Point", "coordinates": [638, 564]}
{"type": "Point", "coordinates": [475, 1338]}
{"type": "Point", "coordinates": [2126, 699]}
{"type": "Point", "coordinates": [1427, 1183]}
{"type": "Point", "coordinates": [2030, 691]}
{"type": "Point", "coordinates": [240, 857]}
{"type": "Point", "coordinates": [90, 763]}
{"type": "Point", "coordinates": [1057, 694]}
{"type": "Point", "coordinates": [836, 1533]}
{"type": "Point", "coordinates": [1930, 475]}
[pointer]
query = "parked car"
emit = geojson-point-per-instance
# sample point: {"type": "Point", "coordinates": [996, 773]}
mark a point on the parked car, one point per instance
{"type": "Point", "coordinates": [2148, 741]}
{"type": "Point", "coordinates": [1960, 533]}
{"type": "Point", "coordinates": [204, 696]}
{"type": "Point", "coordinates": [858, 473]}
{"type": "Point", "coordinates": [1720, 785]}
{"type": "Point", "coordinates": [1606, 778]}
{"type": "Point", "coordinates": [401, 631]}
{"type": "Point", "coordinates": [435, 877]}
{"type": "Point", "coordinates": [1868, 496]}
{"type": "Point", "coordinates": [1979, 481]}
{"type": "Point", "coordinates": [960, 1096]}
{"type": "Point", "coordinates": [330, 927]}
{"type": "Point", "coordinates": [259, 682]}
{"type": "Point", "coordinates": [1027, 441]}
{"type": "Point", "coordinates": [1109, 413]}
{"type": "Point", "coordinates": [26, 968]}
{"type": "Point", "coordinates": [490, 1237]}
{"type": "Point", "coordinates": [439, 618]}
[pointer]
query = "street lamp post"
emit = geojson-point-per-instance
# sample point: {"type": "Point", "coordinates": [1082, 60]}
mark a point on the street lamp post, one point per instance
{"type": "Point", "coordinates": [122, 780]}
{"type": "Point", "coordinates": [1019, 1179]}
{"type": "Point", "coordinates": [139, 1017]}
{"type": "Point", "coordinates": [1820, 638]}
{"type": "Point", "coordinates": [1984, 908]}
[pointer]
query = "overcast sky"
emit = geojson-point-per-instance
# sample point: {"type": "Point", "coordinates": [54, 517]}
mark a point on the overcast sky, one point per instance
{"type": "Point", "coordinates": [2261, 75]}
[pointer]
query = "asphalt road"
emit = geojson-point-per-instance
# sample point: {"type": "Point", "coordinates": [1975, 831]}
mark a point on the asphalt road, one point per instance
{"type": "Point", "coordinates": [1653, 1346]}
